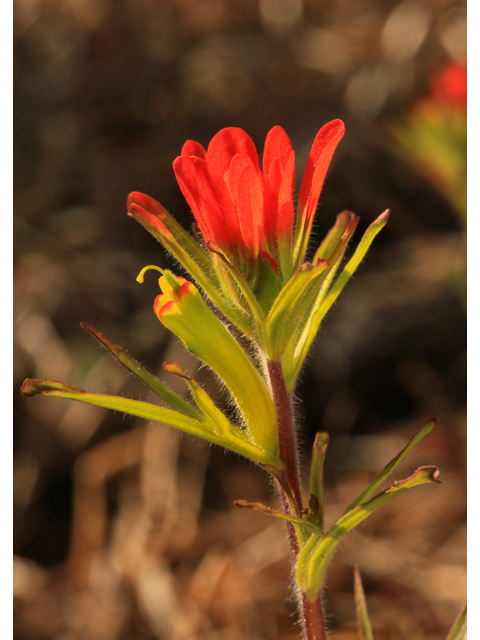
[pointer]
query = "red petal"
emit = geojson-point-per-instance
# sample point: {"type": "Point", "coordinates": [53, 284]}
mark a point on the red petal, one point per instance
{"type": "Point", "coordinates": [274, 176]}
{"type": "Point", "coordinates": [277, 145]}
{"type": "Point", "coordinates": [226, 144]}
{"type": "Point", "coordinates": [209, 198]}
{"type": "Point", "coordinates": [285, 199]}
{"type": "Point", "coordinates": [162, 304]}
{"type": "Point", "coordinates": [192, 148]}
{"type": "Point", "coordinates": [152, 219]}
{"type": "Point", "coordinates": [318, 162]}
{"type": "Point", "coordinates": [247, 193]}
{"type": "Point", "coordinates": [186, 289]}
{"type": "Point", "coordinates": [273, 183]}
{"type": "Point", "coordinates": [175, 368]}
{"type": "Point", "coordinates": [146, 202]}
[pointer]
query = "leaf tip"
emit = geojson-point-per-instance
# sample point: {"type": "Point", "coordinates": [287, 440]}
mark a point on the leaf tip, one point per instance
{"type": "Point", "coordinates": [383, 217]}
{"type": "Point", "coordinates": [89, 328]}
{"type": "Point", "coordinates": [321, 438]}
{"type": "Point", "coordinates": [29, 388]}
{"type": "Point", "coordinates": [175, 369]}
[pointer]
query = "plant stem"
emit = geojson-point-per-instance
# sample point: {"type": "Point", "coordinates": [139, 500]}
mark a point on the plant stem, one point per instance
{"type": "Point", "coordinates": [286, 431]}
{"type": "Point", "coordinates": [313, 620]}
{"type": "Point", "coordinates": [311, 610]}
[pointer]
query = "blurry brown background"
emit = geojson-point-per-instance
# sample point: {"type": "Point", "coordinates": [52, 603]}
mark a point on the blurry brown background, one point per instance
{"type": "Point", "coordinates": [124, 530]}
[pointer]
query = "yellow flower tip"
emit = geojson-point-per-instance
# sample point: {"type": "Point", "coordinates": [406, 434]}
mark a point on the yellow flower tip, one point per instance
{"type": "Point", "coordinates": [175, 368]}
{"type": "Point", "coordinates": [141, 275]}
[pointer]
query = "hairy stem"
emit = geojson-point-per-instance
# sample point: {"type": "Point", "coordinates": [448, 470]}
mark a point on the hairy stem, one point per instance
{"type": "Point", "coordinates": [286, 431]}
{"type": "Point", "coordinates": [311, 609]}
{"type": "Point", "coordinates": [313, 620]}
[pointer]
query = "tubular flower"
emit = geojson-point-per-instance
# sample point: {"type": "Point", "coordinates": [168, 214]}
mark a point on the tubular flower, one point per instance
{"type": "Point", "coordinates": [181, 309]}
{"type": "Point", "coordinates": [245, 213]}
{"type": "Point", "coordinates": [248, 254]}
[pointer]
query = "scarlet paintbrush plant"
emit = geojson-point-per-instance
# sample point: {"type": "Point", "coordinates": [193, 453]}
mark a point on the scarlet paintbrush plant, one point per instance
{"type": "Point", "coordinates": [248, 257]}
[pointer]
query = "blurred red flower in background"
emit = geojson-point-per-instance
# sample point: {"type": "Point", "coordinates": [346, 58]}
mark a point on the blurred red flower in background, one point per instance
{"type": "Point", "coordinates": [449, 84]}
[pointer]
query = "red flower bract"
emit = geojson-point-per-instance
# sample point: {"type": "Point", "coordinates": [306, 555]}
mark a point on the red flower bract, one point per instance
{"type": "Point", "coordinates": [246, 211]}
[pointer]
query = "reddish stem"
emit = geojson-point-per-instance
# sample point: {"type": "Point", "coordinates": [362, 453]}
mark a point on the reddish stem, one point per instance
{"type": "Point", "coordinates": [286, 431]}
{"type": "Point", "coordinates": [311, 610]}
{"type": "Point", "coordinates": [313, 620]}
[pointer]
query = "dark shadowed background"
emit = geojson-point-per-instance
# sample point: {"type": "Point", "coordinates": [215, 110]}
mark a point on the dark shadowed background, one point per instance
{"type": "Point", "coordinates": [125, 530]}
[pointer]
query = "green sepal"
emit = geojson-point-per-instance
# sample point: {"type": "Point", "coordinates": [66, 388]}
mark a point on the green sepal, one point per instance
{"type": "Point", "coordinates": [237, 442]}
{"type": "Point", "coordinates": [392, 465]}
{"type": "Point", "coordinates": [315, 556]}
{"type": "Point", "coordinates": [291, 358]}
{"type": "Point", "coordinates": [315, 505]}
{"type": "Point", "coordinates": [193, 258]}
{"type": "Point", "coordinates": [258, 506]}
{"type": "Point", "coordinates": [158, 388]}
{"type": "Point", "coordinates": [284, 317]}
{"type": "Point", "coordinates": [336, 239]}
{"type": "Point", "coordinates": [250, 303]}
{"type": "Point", "coordinates": [217, 419]}
{"type": "Point", "coordinates": [268, 283]}
{"type": "Point", "coordinates": [183, 240]}
{"type": "Point", "coordinates": [459, 628]}
{"type": "Point", "coordinates": [319, 311]}
{"type": "Point", "coordinates": [206, 336]}
{"type": "Point", "coordinates": [332, 249]}
{"type": "Point", "coordinates": [363, 620]}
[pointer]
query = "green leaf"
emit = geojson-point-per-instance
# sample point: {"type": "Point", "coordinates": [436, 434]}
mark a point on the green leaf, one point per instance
{"type": "Point", "coordinates": [253, 307]}
{"type": "Point", "coordinates": [337, 238]}
{"type": "Point", "coordinates": [189, 318]}
{"type": "Point", "coordinates": [363, 621]}
{"type": "Point", "coordinates": [203, 401]}
{"type": "Point", "coordinates": [283, 318]}
{"type": "Point", "coordinates": [459, 629]}
{"type": "Point", "coordinates": [158, 388]}
{"type": "Point", "coordinates": [238, 442]}
{"type": "Point", "coordinates": [320, 312]}
{"type": "Point", "coordinates": [316, 477]}
{"type": "Point", "coordinates": [332, 249]}
{"type": "Point", "coordinates": [257, 506]}
{"type": "Point", "coordinates": [315, 557]}
{"type": "Point", "coordinates": [294, 353]}
{"type": "Point", "coordinates": [268, 284]}
{"type": "Point", "coordinates": [392, 465]}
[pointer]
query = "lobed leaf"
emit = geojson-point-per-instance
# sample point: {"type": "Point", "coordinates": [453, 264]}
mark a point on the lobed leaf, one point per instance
{"type": "Point", "coordinates": [392, 465]}
{"type": "Point", "coordinates": [237, 442]}
{"type": "Point", "coordinates": [217, 419]}
{"type": "Point", "coordinates": [311, 328]}
{"type": "Point", "coordinates": [257, 506]}
{"type": "Point", "coordinates": [158, 388]}
{"type": "Point", "coordinates": [314, 558]}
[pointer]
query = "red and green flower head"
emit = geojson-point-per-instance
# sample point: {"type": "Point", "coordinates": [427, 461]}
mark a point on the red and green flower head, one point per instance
{"type": "Point", "coordinates": [245, 211]}
{"type": "Point", "coordinates": [248, 253]}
